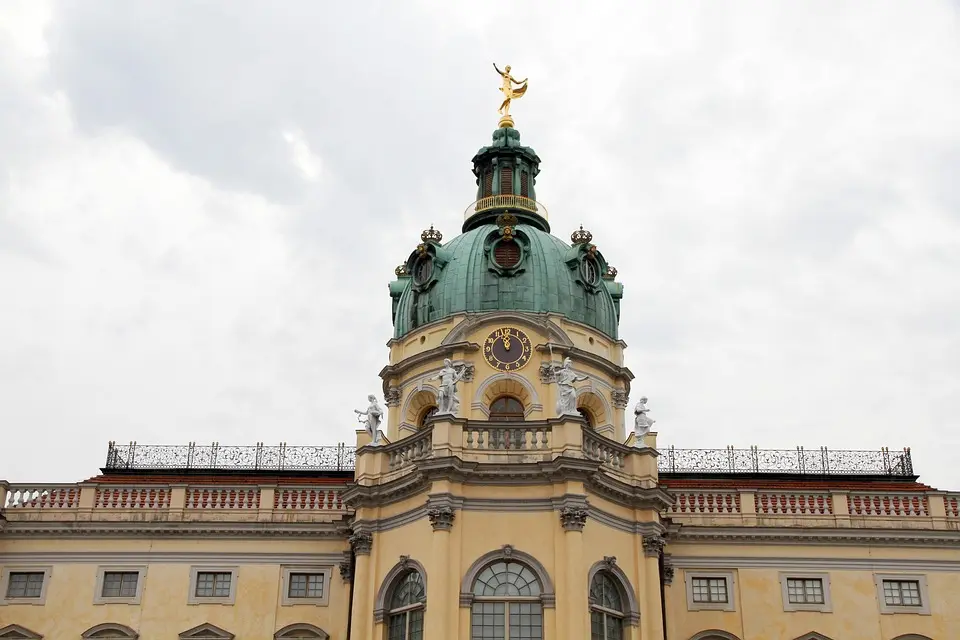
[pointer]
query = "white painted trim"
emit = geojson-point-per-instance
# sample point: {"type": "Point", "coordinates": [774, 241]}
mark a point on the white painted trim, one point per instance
{"type": "Point", "coordinates": [730, 605]}
{"type": "Point", "coordinates": [99, 598]}
{"type": "Point", "coordinates": [193, 598]}
{"type": "Point", "coordinates": [825, 607]}
{"type": "Point", "coordinates": [923, 609]}
{"type": "Point", "coordinates": [47, 572]}
{"type": "Point", "coordinates": [325, 570]}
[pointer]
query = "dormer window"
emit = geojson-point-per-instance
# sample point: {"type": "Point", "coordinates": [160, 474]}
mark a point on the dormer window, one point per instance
{"type": "Point", "coordinates": [422, 270]}
{"type": "Point", "coordinates": [590, 271]}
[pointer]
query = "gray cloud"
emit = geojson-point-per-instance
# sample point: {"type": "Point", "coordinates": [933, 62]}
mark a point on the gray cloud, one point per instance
{"type": "Point", "coordinates": [201, 207]}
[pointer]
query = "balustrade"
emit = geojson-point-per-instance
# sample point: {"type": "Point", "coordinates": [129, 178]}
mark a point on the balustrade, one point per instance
{"type": "Point", "coordinates": [506, 438]}
{"type": "Point", "coordinates": [42, 496]}
{"type": "Point", "coordinates": [790, 503]}
{"type": "Point", "coordinates": [952, 504]}
{"type": "Point", "coordinates": [222, 498]}
{"type": "Point", "coordinates": [307, 499]}
{"type": "Point", "coordinates": [407, 450]}
{"type": "Point", "coordinates": [596, 447]}
{"type": "Point", "coordinates": [713, 502]}
{"type": "Point", "coordinates": [889, 504]}
{"type": "Point", "coordinates": [132, 498]}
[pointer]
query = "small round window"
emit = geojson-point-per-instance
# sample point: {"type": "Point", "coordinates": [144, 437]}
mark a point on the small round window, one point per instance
{"type": "Point", "coordinates": [590, 271]}
{"type": "Point", "coordinates": [506, 253]}
{"type": "Point", "coordinates": [422, 270]}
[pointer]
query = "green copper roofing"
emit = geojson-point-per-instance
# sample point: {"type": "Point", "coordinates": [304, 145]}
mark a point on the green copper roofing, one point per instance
{"type": "Point", "coordinates": [540, 273]}
{"type": "Point", "coordinates": [465, 278]}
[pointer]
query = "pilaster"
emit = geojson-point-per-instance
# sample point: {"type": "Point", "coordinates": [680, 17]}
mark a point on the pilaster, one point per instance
{"type": "Point", "coordinates": [438, 623]}
{"type": "Point", "coordinates": [363, 581]}
{"type": "Point", "coordinates": [652, 612]}
{"type": "Point", "coordinates": [573, 519]}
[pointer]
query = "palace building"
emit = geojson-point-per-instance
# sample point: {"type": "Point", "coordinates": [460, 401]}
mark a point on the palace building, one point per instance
{"type": "Point", "coordinates": [512, 495]}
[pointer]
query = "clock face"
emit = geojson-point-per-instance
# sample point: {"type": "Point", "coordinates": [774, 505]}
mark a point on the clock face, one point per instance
{"type": "Point", "coordinates": [507, 349]}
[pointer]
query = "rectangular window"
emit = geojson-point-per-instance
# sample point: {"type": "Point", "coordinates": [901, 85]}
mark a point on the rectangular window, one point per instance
{"type": "Point", "coordinates": [120, 584]}
{"type": "Point", "coordinates": [305, 585]}
{"type": "Point", "coordinates": [710, 590]}
{"type": "Point", "coordinates": [805, 591]}
{"type": "Point", "coordinates": [25, 584]}
{"type": "Point", "coordinates": [902, 593]}
{"type": "Point", "coordinates": [213, 584]}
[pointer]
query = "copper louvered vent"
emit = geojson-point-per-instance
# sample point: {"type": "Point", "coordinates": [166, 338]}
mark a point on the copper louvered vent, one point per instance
{"type": "Point", "coordinates": [506, 181]}
{"type": "Point", "coordinates": [487, 183]}
{"type": "Point", "coordinates": [507, 254]}
{"type": "Point", "coordinates": [524, 187]}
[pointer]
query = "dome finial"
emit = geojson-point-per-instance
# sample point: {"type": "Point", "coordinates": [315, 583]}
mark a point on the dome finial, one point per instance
{"type": "Point", "coordinates": [509, 93]}
{"type": "Point", "coordinates": [581, 236]}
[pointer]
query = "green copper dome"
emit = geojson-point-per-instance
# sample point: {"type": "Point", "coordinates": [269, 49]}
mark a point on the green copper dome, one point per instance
{"type": "Point", "coordinates": [506, 259]}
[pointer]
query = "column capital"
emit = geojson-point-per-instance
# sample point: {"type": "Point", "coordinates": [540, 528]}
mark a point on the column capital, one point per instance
{"type": "Point", "coordinates": [362, 543]}
{"type": "Point", "coordinates": [653, 545]}
{"type": "Point", "coordinates": [573, 518]}
{"type": "Point", "coordinates": [441, 518]}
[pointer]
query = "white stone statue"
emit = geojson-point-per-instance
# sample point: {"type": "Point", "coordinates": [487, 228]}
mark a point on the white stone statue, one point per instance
{"type": "Point", "coordinates": [373, 414]}
{"type": "Point", "coordinates": [449, 377]}
{"type": "Point", "coordinates": [641, 422]}
{"type": "Point", "coordinates": [565, 376]}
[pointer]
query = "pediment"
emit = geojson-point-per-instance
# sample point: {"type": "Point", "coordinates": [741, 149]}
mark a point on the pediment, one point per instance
{"type": "Point", "coordinates": [16, 632]}
{"type": "Point", "coordinates": [301, 631]}
{"type": "Point", "coordinates": [206, 631]}
{"type": "Point", "coordinates": [110, 630]}
{"type": "Point", "coordinates": [813, 635]}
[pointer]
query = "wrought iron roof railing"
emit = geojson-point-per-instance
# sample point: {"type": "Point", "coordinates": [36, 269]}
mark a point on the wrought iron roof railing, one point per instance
{"type": "Point", "coordinates": [821, 461]}
{"type": "Point", "coordinates": [340, 457]}
{"type": "Point", "coordinates": [216, 456]}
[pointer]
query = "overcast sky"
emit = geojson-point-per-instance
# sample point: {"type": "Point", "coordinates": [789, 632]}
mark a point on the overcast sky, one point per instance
{"type": "Point", "coordinates": [201, 204]}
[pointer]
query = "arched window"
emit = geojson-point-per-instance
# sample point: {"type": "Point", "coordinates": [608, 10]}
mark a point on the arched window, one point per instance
{"type": "Point", "coordinates": [507, 603]}
{"type": "Point", "coordinates": [506, 408]}
{"type": "Point", "coordinates": [301, 631]}
{"type": "Point", "coordinates": [606, 608]}
{"type": "Point", "coordinates": [110, 630]}
{"type": "Point", "coordinates": [424, 415]}
{"type": "Point", "coordinates": [405, 616]}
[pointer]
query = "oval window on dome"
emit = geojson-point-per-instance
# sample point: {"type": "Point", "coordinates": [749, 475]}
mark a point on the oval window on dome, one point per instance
{"type": "Point", "coordinates": [506, 253]}
{"type": "Point", "coordinates": [422, 270]}
{"type": "Point", "coordinates": [590, 270]}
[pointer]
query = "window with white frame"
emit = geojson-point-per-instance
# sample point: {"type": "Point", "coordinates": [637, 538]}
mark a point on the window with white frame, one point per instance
{"type": "Point", "coordinates": [902, 593]}
{"type": "Point", "coordinates": [212, 585]}
{"type": "Point", "coordinates": [710, 590]}
{"type": "Point", "coordinates": [306, 584]}
{"type": "Point", "coordinates": [805, 591]}
{"type": "Point", "coordinates": [122, 585]}
{"type": "Point", "coordinates": [25, 585]}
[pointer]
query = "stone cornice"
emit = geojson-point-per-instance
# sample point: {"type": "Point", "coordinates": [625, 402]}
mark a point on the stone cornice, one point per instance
{"type": "Point", "coordinates": [332, 558]}
{"type": "Point", "coordinates": [615, 371]}
{"type": "Point", "coordinates": [111, 529]}
{"type": "Point", "coordinates": [819, 563]}
{"type": "Point", "coordinates": [818, 536]}
{"type": "Point", "coordinates": [430, 355]}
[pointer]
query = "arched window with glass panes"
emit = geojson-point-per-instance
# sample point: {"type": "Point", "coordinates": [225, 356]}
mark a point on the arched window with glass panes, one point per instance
{"type": "Point", "coordinates": [506, 603]}
{"type": "Point", "coordinates": [405, 612]}
{"type": "Point", "coordinates": [607, 611]}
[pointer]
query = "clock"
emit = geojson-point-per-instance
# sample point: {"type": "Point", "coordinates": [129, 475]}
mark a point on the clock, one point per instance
{"type": "Point", "coordinates": [507, 349]}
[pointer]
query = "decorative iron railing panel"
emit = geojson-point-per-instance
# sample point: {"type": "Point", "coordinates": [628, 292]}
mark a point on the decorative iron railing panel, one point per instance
{"type": "Point", "coordinates": [341, 457]}
{"type": "Point", "coordinates": [820, 461]}
{"type": "Point", "coordinates": [260, 457]}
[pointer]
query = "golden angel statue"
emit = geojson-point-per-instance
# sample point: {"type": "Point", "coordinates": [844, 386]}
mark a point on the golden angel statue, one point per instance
{"type": "Point", "coordinates": [509, 92]}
